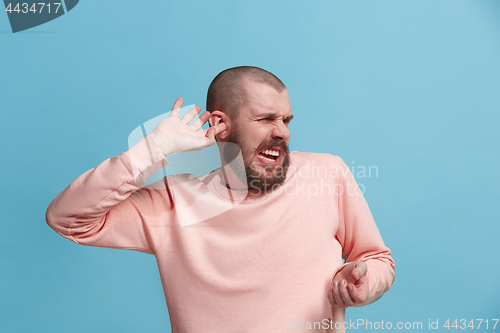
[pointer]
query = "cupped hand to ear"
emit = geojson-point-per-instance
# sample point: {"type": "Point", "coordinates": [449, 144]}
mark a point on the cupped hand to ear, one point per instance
{"type": "Point", "coordinates": [173, 135]}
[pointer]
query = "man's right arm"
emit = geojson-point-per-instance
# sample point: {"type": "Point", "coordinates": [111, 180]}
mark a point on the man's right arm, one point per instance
{"type": "Point", "coordinates": [107, 207]}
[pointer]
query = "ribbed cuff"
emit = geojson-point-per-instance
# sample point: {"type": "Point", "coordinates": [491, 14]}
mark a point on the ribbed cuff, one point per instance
{"type": "Point", "coordinates": [145, 159]}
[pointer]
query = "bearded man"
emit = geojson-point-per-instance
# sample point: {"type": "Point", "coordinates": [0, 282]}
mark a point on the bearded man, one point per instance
{"type": "Point", "coordinates": [267, 257]}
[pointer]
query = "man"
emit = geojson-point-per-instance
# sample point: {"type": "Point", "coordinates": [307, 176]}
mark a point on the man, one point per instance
{"type": "Point", "coordinates": [271, 260]}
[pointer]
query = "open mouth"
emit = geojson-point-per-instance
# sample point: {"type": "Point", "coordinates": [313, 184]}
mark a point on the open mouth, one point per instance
{"type": "Point", "coordinates": [270, 155]}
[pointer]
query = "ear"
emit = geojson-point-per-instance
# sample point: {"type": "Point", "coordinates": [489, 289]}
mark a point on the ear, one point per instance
{"type": "Point", "coordinates": [219, 117]}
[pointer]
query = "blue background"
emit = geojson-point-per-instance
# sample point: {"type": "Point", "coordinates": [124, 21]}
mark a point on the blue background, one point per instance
{"type": "Point", "coordinates": [411, 87]}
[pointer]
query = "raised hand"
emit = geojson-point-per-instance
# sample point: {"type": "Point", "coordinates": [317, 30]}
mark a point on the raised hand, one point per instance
{"type": "Point", "coordinates": [350, 285]}
{"type": "Point", "coordinates": [173, 135]}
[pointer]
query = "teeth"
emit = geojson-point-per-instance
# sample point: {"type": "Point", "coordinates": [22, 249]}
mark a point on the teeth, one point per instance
{"type": "Point", "coordinates": [271, 152]}
{"type": "Point", "coordinates": [267, 159]}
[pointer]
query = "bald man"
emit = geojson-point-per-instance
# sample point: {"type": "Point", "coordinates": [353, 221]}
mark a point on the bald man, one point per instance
{"type": "Point", "coordinates": [254, 246]}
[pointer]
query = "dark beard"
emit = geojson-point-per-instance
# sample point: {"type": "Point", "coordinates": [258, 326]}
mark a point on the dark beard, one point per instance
{"type": "Point", "coordinates": [261, 181]}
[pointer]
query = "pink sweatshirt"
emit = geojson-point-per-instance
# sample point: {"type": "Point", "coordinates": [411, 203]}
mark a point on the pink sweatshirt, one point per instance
{"type": "Point", "coordinates": [232, 265]}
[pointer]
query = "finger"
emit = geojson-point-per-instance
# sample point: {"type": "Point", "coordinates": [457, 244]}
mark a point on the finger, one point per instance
{"type": "Point", "coordinates": [177, 107]}
{"type": "Point", "coordinates": [348, 272]}
{"type": "Point", "coordinates": [219, 128]}
{"type": "Point", "coordinates": [210, 136]}
{"type": "Point", "coordinates": [216, 129]}
{"type": "Point", "coordinates": [359, 271]}
{"type": "Point", "coordinates": [336, 294]}
{"type": "Point", "coordinates": [359, 291]}
{"type": "Point", "coordinates": [198, 123]}
{"type": "Point", "coordinates": [191, 114]}
{"type": "Point", "coordinates": [344, 293]}
{"type": "Point", "coordinates": [355, 293]}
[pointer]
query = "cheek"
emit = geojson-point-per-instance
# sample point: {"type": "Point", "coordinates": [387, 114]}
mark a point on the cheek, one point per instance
{"type": "Point", "coordinates": [262, 133]}
{"type": "Point", "coordinates": [255, 134]}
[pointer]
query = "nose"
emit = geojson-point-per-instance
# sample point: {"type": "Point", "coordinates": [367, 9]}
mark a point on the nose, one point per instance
{"type": "Point", "coordinates": [281, 132]}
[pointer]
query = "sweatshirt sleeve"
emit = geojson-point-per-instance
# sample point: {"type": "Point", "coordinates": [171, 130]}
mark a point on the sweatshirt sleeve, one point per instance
{"type": "Point", "coordinates": [360, 238]}
{"type": "Point", "coordinates": [106, 206]}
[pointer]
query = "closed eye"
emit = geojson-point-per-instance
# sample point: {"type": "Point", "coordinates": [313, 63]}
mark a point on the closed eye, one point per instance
{"type": "Point", "coordinates": [270, 118]}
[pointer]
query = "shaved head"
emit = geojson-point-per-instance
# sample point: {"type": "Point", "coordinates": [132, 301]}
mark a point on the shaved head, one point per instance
{"type": "Point", "coordinates": [226, 92]}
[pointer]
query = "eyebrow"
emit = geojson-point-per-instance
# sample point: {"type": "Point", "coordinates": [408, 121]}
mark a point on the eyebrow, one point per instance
{"type": "Point", "coordinates": [273, 115]}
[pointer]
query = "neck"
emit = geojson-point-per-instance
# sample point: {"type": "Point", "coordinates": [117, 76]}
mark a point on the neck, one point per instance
{"type": "Point", "coordinates": [236, 181]}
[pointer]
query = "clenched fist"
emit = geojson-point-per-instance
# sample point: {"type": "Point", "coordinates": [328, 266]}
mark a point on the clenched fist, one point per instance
{"type": "Point", "coordinates": [350, 285]}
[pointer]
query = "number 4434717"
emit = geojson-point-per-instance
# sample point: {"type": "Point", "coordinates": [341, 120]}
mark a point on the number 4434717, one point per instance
{"type": "Point", "coordinates": [35, 8]}
{"type": "Point", "coordinates": [462, 324]}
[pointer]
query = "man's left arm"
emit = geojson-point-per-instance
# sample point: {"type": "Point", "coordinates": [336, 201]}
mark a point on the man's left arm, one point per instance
{"type": "Point", "coordinates": [368, 271]}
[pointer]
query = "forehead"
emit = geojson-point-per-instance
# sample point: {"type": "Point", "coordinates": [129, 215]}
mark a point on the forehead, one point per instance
{"type": "Point", "coordinates": [262, 98]}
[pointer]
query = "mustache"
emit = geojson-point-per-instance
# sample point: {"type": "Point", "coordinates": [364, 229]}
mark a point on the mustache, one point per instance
{"type": "Point", "coordinates": [273, 144]}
